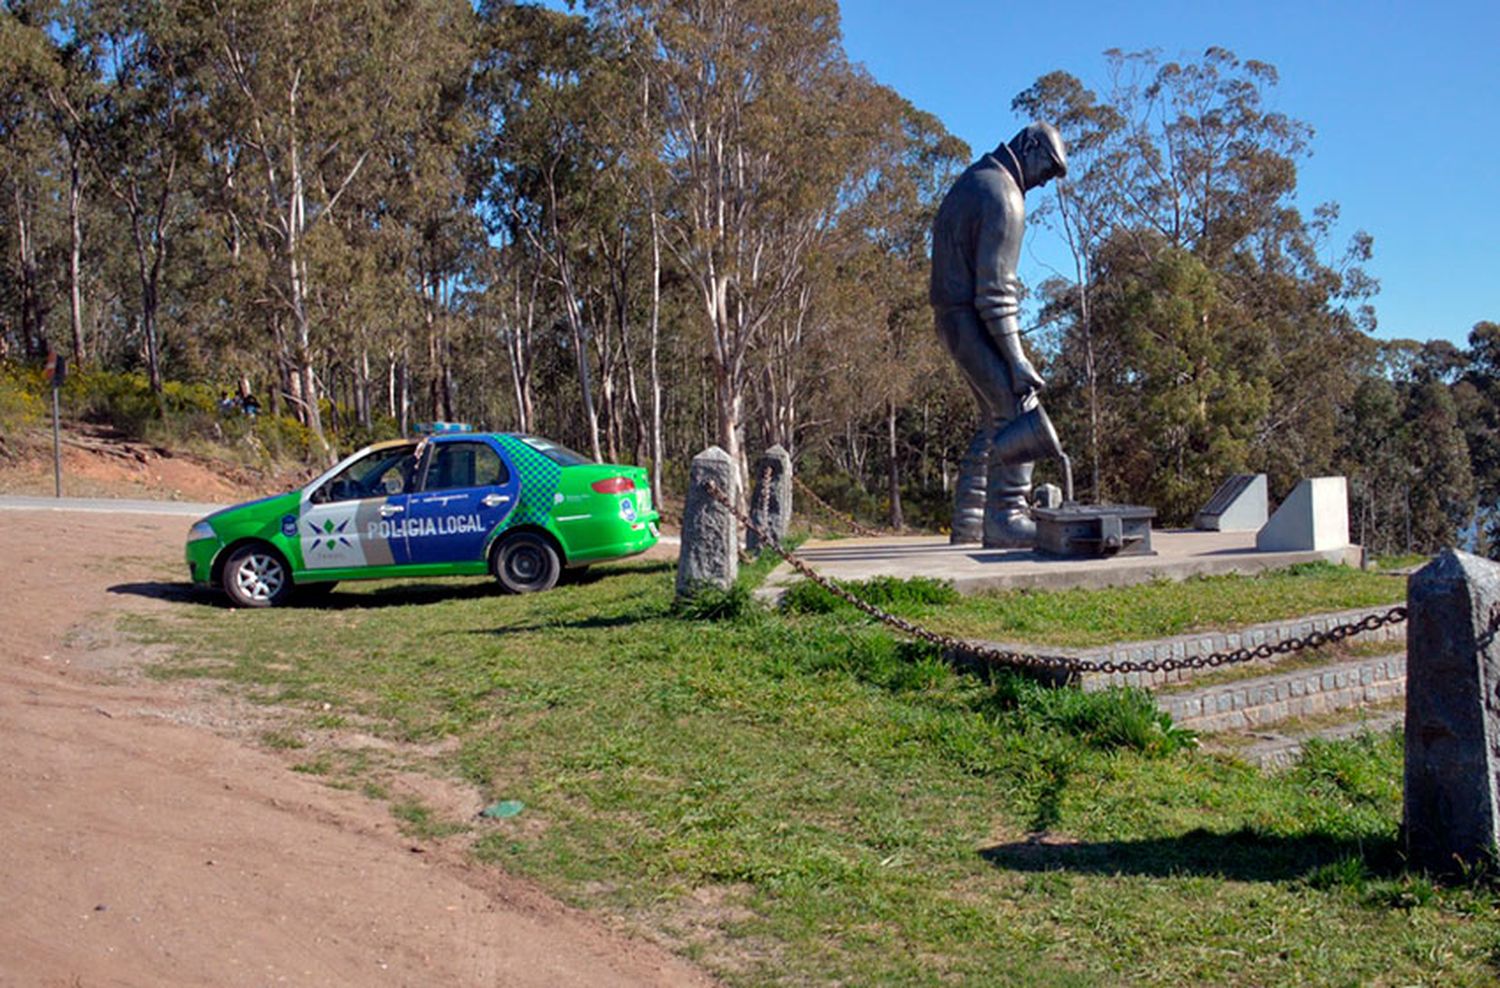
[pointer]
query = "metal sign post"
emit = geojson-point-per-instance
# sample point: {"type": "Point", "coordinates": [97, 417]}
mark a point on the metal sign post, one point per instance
{"type": "Point", "coordinates": [57, 369]}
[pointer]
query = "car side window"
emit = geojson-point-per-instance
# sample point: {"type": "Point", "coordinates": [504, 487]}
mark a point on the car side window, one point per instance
{"type": "Point", "coordinates": [465, 464]}
{"type": "Point", "coordinates": [380, 473]}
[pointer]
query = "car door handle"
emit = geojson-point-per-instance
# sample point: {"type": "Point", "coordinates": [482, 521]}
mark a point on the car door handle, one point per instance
{"type": "Point", "coordinates": [490, 500]}
{"type": "Point", "coordinates": [386, 510]}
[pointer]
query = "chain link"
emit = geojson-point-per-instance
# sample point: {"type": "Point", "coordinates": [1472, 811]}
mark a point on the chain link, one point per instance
{"type": "Point", "coordinates": [1063, 663]}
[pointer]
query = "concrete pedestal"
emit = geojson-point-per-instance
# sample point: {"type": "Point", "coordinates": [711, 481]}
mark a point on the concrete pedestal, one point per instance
{"type": "Point", "coordinates": [1314, 517]}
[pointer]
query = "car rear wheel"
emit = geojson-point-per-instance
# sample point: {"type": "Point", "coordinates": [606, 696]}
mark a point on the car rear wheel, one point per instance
{"type": "Point", "coordinates": [255, 575]}
{"type": "Point", "coordinates": [526, 563]}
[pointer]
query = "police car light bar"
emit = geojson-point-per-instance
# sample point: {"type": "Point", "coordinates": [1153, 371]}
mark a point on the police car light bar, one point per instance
{"type": "Point", "coordinates": [439, 428]}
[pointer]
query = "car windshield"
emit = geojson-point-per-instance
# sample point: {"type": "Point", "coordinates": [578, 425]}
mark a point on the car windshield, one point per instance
{"type": "Point", "coordinates": [561, 455]}
{"type": "Point", "coordinates": [378, 473]}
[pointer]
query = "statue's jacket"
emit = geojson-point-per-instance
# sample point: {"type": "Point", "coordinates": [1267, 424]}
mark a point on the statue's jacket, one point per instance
{"type": "Point", "coordinates": [976, 242]}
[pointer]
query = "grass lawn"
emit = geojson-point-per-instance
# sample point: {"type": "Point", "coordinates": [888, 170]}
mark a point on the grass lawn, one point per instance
{"type": "Point", "coordinates": [796, 798]}
{"type": "Point", "coordinates": [1153, 610]}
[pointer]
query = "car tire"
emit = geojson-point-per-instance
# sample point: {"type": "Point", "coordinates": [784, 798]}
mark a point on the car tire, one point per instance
{"type": "Point", "coordinates": [526, 563]}
{"type": "Point", "coordinates": [255, 575]}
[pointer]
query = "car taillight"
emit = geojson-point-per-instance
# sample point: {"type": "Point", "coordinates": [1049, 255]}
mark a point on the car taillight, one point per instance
{"type": "Point", "coordinates": [614, 485]}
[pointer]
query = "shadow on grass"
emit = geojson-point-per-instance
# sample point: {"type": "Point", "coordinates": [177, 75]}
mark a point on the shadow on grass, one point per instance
{"type": "Point", "coordinates": [176, 593]}
{"type": "Point", "coordinates": [583, 624]}
{"type": "Point", "coordinates": [1243, 855]}
{"type": "Point", "coordinates": [335, 600]}
{"type": "Point", "coordinates": [399, 595]}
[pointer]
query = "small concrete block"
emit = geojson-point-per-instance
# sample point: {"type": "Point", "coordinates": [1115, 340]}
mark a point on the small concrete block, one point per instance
{"type": "Point", "coordinates": [1048, 496]}
{"type": "Point", "coordinates": [1297, 687]}
{"type": "Point", "coordinates": [1366, 676]}
{"type": "Point", "coordinates": [1451, 814]}
{"type": "Point", "coordinates": [1239, 505]}
{"type": "Point", "coordinates": [1179, 650]}
{"type": "Point", "coordinates": [710, 553]}
{"type": "Point", "coordinates": [1329, 681]}
{"type": "Point", "coordinates": [771, 499]}
{"type": "Point", "coordinates": [1257, 637]}
{"type": "Point", "coordinates": [1232, 641]}
{"type": "Point", "coordinates": [1314, 517]}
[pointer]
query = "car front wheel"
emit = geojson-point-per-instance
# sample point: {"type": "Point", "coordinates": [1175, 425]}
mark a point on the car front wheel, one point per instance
{"type": "Point", "coordinates": [256, 576]}
{"type": "Point", "coordinates": [526, 563]}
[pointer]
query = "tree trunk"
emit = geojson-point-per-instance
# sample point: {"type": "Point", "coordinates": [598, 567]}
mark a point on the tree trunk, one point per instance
{"type": "Point", "coordinates": [75, 252]}
{"type": "Point", "coordinates": [898, 522]}
{"type": "Point", "coordinates": [654, 365]}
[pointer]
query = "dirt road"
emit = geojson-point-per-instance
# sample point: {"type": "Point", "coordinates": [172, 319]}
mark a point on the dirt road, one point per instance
{"type": "Point", "coordinates": [139, 849]}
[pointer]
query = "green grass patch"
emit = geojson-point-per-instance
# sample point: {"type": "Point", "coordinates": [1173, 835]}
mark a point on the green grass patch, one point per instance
{"type": "Point", "coordinates": [422, 822]}
{"type": "Point", "coordinates": [807, 597]}
{"type": "Point", "coordinates": [799, 798]}
{"type": "Point", "coordinates": [1080, 618]}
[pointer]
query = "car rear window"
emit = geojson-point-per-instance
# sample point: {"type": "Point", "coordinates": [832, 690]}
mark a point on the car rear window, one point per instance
{"type": "Point", "coordinates": [561, 455]}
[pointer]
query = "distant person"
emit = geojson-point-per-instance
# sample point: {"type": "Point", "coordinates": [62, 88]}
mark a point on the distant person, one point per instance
{"type": "Point", "coordinates": [250, 405]}
{"type": "Point", "coordinates": [228, 404]}
{"type": "Point", "coordinates": [975, 296]}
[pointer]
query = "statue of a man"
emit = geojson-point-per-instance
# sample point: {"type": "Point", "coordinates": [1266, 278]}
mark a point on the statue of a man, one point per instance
{"type": "Point", "coordinates": [975, 295]}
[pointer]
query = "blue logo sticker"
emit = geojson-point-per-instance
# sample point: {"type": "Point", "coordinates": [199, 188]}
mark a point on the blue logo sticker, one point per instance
{"type": "Point", "coordinates": [627, 509]}
{"type": "Point", "coordinates": [289, 526]}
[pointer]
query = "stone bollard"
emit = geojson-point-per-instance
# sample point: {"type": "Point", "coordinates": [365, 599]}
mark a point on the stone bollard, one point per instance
{"type": "Point", "coordinates": [771, 514]}
{"type": "Point", "coordinates": [1450, 815]}
{"type": "Point", "coordinates": [710, 553]}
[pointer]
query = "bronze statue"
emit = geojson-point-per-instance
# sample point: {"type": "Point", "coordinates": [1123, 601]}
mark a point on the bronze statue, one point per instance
{"type": "Point", "coordinates": [975, 296]}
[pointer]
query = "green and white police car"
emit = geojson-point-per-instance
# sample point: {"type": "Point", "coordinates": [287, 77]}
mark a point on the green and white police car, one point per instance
{"type": "Point", "coordinates": [465, 504]}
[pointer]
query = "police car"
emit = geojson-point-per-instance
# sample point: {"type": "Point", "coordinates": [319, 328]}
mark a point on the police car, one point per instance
{"type": "Point", "coordinates": [518, 507]}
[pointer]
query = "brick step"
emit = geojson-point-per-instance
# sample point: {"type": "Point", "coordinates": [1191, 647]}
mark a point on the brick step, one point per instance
{"type": "Point", "coordinates": [1252, 704]}
{"type": "Point", "coordinates": [1269, 750]}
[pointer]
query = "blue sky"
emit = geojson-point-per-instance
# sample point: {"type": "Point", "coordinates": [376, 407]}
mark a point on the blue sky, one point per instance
{"type": "Point", "coordinates": [1404, 100]}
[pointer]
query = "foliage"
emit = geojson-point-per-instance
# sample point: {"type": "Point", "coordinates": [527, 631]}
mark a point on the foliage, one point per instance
{"type": "Point", "coordinates": [1107, 719]}
{"type": "Point", "coordinates": [20, 397]}
{"type": "Point", "coordinates": [807, 597]}
{"type": "Point", "coordinates": [711, 603]}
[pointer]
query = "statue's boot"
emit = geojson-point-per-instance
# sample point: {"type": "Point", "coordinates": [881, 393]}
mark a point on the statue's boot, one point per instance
{"type": "Point", "coordinates": [968, 498]}
{"type": "Point", "coordinates": [1007, 518]}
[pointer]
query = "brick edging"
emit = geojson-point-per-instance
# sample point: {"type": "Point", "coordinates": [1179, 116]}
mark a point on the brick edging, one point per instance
{"type": "Point", "coordinates": [1207, 642]}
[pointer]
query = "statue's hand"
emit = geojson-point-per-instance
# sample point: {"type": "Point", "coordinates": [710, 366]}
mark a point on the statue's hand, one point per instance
{"type": "Point", "coordinates": [1023, 377]}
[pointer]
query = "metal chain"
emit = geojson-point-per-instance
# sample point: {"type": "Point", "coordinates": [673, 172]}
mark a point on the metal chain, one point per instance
{"type": "Point", "coordinates": [1064, 663]}
{"type": "Point", "coordinates": [844, 517]}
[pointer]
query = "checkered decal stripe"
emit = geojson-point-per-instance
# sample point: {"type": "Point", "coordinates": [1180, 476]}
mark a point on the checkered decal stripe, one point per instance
{"type": "Point", "coordinates": [539, 477]}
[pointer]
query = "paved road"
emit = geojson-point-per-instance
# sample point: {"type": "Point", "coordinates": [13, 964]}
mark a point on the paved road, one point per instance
{"type": "Point", "coordinates": [106, 505]}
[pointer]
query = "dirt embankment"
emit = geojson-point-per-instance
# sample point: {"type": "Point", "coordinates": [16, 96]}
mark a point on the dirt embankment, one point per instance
{"type": "Point", "coordinates": [142, 848]}
{"type": "Point", "coordinates": [97, 462]}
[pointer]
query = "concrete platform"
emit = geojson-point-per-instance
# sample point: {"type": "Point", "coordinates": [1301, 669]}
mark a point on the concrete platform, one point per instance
{"type": "Point", "coordinates": [971, 569]}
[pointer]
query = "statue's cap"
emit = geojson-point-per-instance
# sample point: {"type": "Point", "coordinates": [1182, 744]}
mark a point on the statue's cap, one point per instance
{"type": "Point", "coordinates": [1044, 134]}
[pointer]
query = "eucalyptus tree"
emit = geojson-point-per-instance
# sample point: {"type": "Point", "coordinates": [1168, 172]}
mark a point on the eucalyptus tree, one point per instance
{"type": "Point", "coordinates": [1083, 210]}
{"type": "Point", "coordinates": [750, 100]}
{"type": "Point", "coordinates": [305, 96]}
{"type": "Point", "coordinates": [29, 178]}
{"type": "Point", "coordinates": [887, 211]}
{"type": "Point", "coordinates": [540, 71]}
